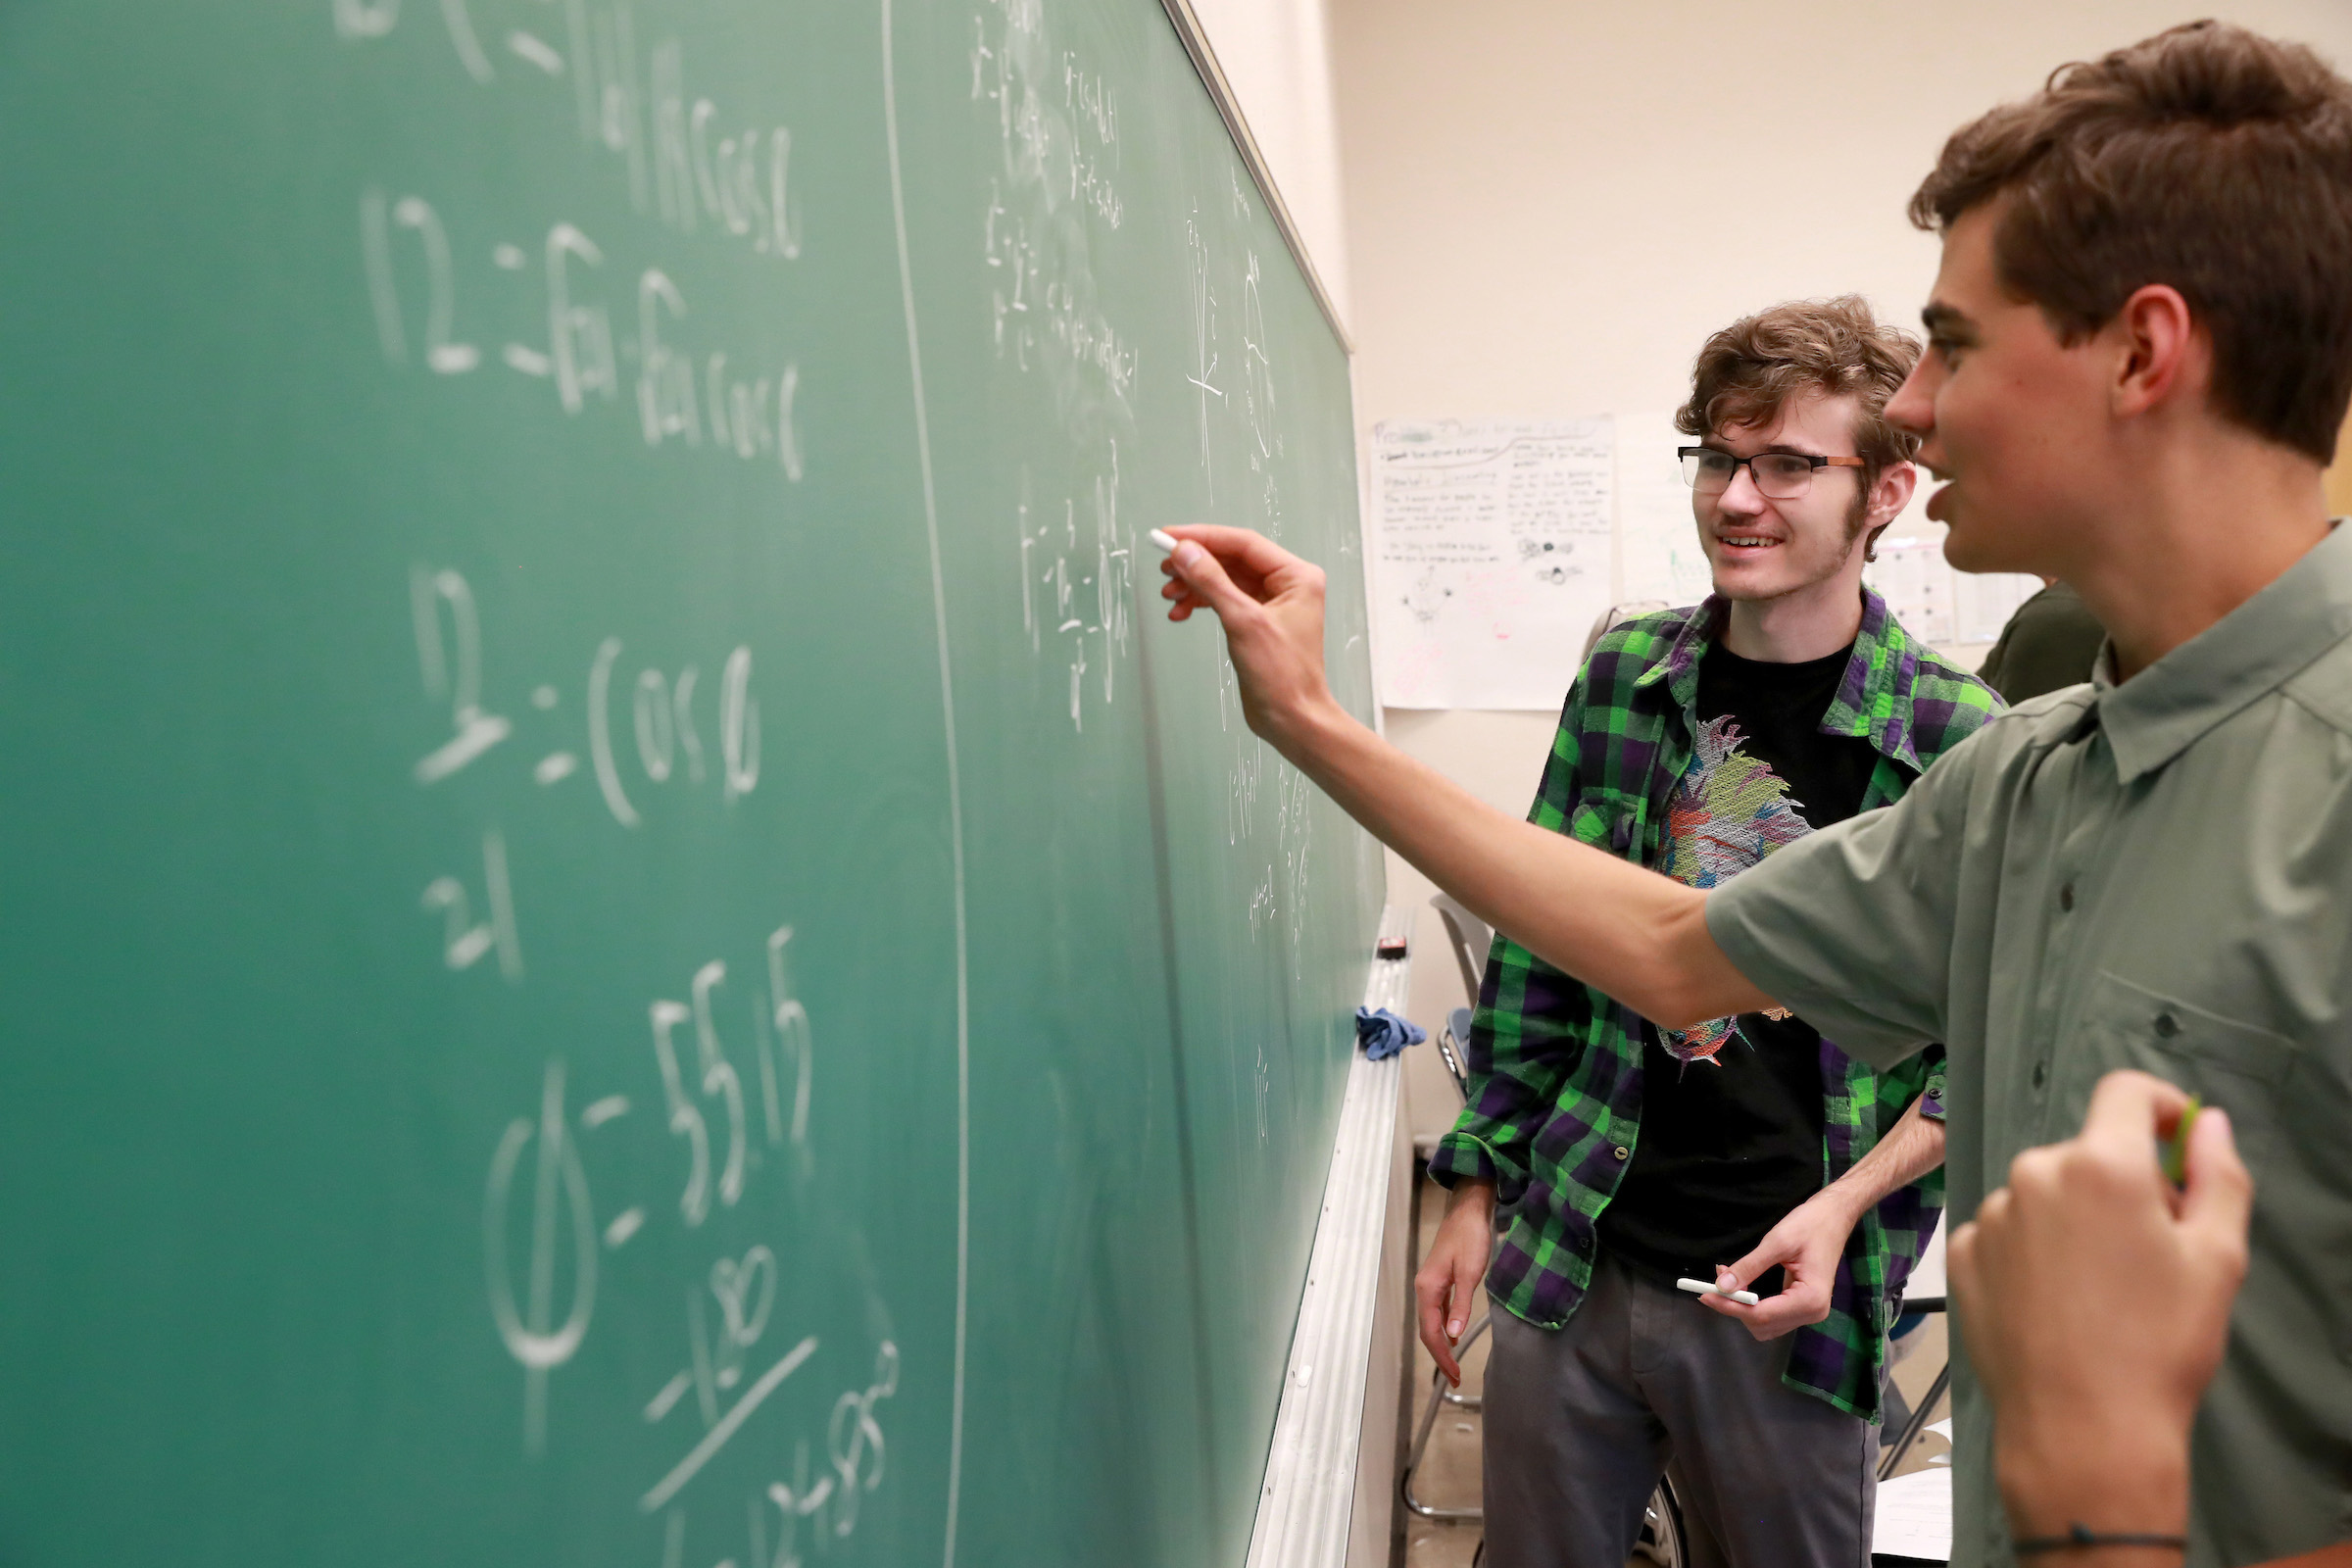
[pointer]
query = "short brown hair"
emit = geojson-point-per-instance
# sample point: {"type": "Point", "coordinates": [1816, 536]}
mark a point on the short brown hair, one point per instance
{"type": "Point", "coordinates": [2208, 158]}
{"type": "Point", "coordinates": [1748, 373]}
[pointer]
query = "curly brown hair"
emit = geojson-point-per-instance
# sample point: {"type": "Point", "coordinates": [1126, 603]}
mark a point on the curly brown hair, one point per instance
{"type": "Point", "coordinates": [1748, 373]}
{"type": "Point", "coordinates": [2208, 158]}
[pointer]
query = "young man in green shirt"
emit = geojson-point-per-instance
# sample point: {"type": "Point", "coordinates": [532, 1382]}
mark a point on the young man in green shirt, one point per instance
{"type": "Point", "coordinates": [2139, 354]}
{"type": "Point", "coordinates": [1698, 742]}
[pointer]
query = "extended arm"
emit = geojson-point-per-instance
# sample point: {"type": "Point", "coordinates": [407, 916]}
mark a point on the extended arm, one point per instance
{"type": "Point", "coordinates": [1640, 937]}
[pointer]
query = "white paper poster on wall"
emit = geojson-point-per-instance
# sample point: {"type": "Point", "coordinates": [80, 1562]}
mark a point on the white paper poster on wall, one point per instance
{"type": "Point", "coordinates": [1493, 558]}
{"type": "Point", "coordinates": [1935, 602]}
{"type": "Point", "coordinates": [1657, 533]}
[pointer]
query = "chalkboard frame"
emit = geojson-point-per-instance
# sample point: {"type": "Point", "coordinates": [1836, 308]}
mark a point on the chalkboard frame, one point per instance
{"type": "Point", "coordinates": [323, 506]}
{"type": "Point", "coordinates": [1236, 124]}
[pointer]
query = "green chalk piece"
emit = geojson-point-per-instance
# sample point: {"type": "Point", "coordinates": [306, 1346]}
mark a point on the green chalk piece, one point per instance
{"type": "Point", "coordinates": [2175, 1153]}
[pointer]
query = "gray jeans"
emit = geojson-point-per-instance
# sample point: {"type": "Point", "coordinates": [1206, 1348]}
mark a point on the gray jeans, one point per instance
{"type": "Point", "coordinates": [1580, 1421]}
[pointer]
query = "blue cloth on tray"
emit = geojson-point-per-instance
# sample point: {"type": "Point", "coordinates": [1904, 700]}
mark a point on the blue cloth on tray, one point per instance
{"type": "Point", "coordinates": [1383, 1034]}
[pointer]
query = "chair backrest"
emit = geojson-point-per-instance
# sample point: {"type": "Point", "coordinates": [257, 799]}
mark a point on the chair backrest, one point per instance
{"type": "Point", "coordinates": [1471, 937]}
{"type": "Point", "coordinates": [1453, 1048]}
{"type": "Point", "coordinates": [1611, 616]}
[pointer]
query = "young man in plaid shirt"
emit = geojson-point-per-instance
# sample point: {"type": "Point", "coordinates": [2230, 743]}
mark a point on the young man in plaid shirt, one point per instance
{"type": "Point", "coordinates": [1750, 1151]}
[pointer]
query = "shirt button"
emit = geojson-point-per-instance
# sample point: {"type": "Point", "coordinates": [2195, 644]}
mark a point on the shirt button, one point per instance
{"type": "Point", "coordinates": [2041, 1073]}
{"type": "Point", "coordinates": [2166, 1025]}
{"type": "Point", "coordinates": [2066, 898]}
{"type": "Point", "coordinates": [1623, 1153]}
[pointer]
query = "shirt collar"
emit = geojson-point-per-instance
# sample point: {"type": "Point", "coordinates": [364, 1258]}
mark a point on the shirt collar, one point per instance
{"type": "Point", "coordinates": [1873, 696]}
{"type": "Point", "coordinates": [1678, 669]}
{"type": "Point", "coordinates": [2249, 653]}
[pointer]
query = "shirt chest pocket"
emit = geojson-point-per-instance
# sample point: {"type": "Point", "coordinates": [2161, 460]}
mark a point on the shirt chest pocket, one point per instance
{"type": "Point", "coordinates": [2129, 1025]}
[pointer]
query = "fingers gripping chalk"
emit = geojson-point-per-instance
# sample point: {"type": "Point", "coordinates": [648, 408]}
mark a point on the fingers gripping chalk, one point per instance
{"type": "Point", "coordinates": [1703, 1288]}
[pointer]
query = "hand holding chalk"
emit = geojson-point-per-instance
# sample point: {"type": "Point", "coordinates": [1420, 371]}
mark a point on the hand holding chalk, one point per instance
{"type": "Point", "coordinates": [2095, 1298]}
{"type": "Point", "coordinates": [1705, 1288]}
{"type": "Point", "coordinates": [1271, 604]}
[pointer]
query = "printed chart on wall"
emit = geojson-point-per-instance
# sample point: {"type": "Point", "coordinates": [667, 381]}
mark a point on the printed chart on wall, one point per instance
{"type": "Point", "coordinates": [1495, 557]}
{"type": "Point", "coordinates": [1944, 606]}
{"type": "Point", "coordinates": [1657, 537]}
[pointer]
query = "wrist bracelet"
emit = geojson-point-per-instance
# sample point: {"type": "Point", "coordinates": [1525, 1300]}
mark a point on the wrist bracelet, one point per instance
{"type": "Point", "coordinates": [2082, 1535]}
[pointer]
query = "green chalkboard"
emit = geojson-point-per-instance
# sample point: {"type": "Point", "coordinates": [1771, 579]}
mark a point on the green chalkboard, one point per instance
{"type": "Point", "coordinates": [626, 941]}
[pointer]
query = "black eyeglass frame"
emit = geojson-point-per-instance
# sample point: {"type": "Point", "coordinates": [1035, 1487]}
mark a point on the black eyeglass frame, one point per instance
{"type": "Point", "coordinates": [1815, 464]}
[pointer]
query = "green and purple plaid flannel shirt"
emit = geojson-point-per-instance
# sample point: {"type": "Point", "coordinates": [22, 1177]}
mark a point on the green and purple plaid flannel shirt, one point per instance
{"type": "Point", "coordinates": [1555, 1066]}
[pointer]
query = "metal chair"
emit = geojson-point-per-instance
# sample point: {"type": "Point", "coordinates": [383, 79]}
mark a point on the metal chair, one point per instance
{"type": "Point", "coordinates": [1471, 937]}
{"type": "Point", "coordinates": [1609, 619]}
{"type": "Point", "coordinates": [1936, 1390]}
{"type": "Point", "coordinates": [1925, 1293]}
{"type": "Point", "coordinates": [1453, 1041]}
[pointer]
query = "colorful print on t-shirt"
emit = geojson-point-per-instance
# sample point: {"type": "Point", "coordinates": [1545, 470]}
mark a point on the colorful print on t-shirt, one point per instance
{"type": "Point", "coordinates": [1727, 811]}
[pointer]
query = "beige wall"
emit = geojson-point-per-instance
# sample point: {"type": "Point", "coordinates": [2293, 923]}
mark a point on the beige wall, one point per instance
{"type": "Point", "coordinates": [1551, 202]}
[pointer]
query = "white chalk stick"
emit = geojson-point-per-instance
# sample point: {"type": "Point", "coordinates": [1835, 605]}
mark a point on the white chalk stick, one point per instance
{"type": "Point", "coordinates": [1163, 541]}
{"type": "Point", "coordinates": [1703, 1288]}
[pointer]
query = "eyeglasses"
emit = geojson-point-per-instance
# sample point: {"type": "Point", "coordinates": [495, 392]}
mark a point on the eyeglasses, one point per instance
{"type": "Point", "coordinates": [1779, 476]}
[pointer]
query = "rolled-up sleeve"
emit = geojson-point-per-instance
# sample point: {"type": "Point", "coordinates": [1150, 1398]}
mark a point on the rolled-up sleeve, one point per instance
{"type": "Point", "coordinates": [1852, 926]}
{"type": "Point", "coordinates": [1529, 1032]}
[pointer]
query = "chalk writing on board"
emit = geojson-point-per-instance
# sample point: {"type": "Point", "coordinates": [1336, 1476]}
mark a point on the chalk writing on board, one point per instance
{"type": "Point", "coordinates": [642, 731]}
{"type": "Point", "coordinates": [540, 1234]}
{"type": "Point", "coordinates": [1242, 392]}
{"type": "Point", "coordinates": [1246, 772]}
{"type": "Point", "coordinates": [788, 1066]}
{"type": "Point", "coordinates": [1056, 123]}
{"type": "Point", "coordinates": [1203, 376]}
{"type": "Point", "coordinates": [856, 1448]}
{"type": "Point", "coordinates": [686, 388]}
{"type": "Point", "coordinates": [740, 182]}
{"type": "Point", "coordinates": [366, 18]}
{"type": "Point", "coordinates": [621, 327]}
{"type": "Point", "coordinates": [529, 1329]}
{"type": "Point", "coordinates": [464, 940]}
{"type": "Point", "coordinates": [1258, 370]}
{"type": "Point", "coordinates": [378, 220]}
{"type": "Point", "coordinates": [726, 1426]}
{"type": "Point", "coordinates": [687, 159]}
{"type": "Point", "coordinates": [452, 669]}
{"type": "Point", "coordinates": [854, 1445]}
{"type": "Point", "coordinates": [745, 1292]}
{"type": "Point", "coordinates": [1295, 811]}
{"type": "Point", "coordinates": [827, 1504]}
{"type": "Point", "coordinates": [613, 328]}
{"type": "Point", "coordinates": [1076, 592]}
{"type": "Point", "coordinates": [1058, 119]}
{"type": "Point", "coordinates": [541, 1242]}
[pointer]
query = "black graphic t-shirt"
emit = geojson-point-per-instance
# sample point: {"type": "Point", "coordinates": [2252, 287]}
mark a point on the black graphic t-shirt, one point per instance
{"type": "Point", "coordinates": [1732, 1111]}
